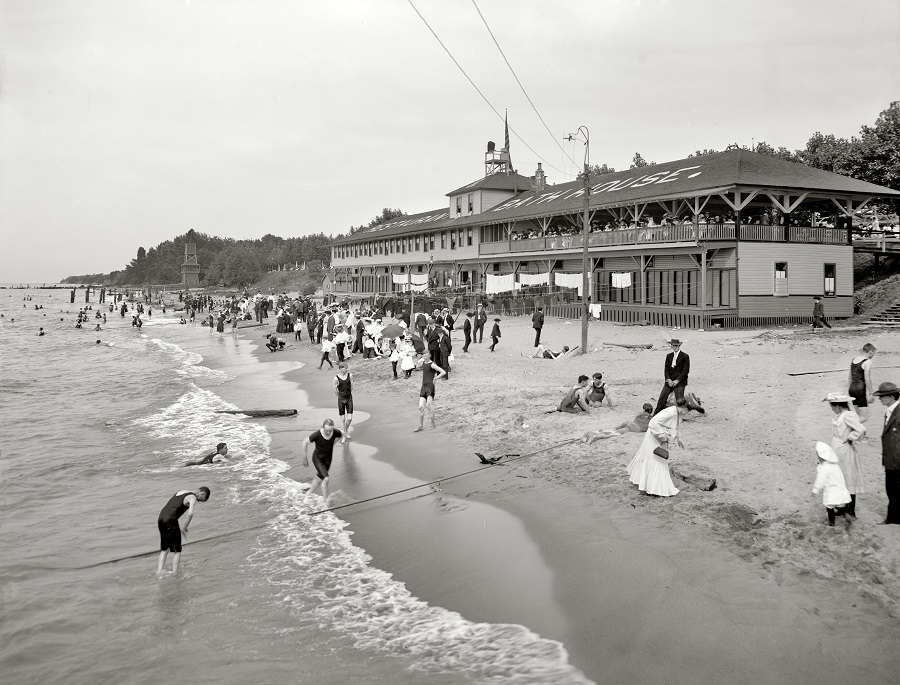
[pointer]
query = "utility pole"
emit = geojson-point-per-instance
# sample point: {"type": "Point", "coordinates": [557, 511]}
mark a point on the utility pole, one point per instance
{"type": "Point", "coordinates": [586, 231]}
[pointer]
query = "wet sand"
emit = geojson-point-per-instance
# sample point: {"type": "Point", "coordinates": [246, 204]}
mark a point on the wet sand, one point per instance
{"type": "Point", "coordinates": [638, 589]}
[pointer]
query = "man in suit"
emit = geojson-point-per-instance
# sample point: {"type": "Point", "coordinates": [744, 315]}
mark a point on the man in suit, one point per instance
{"type": "Point", "coordinates": [889, 394]}
{"type": "Point", "coordinates": [480, 321]}
{"type": "Point", "coordinates": [819, 313]}
{"type": "Point", "coordinates": [678, 366]}
{"type": "Point", "coordinates": [537, 323]}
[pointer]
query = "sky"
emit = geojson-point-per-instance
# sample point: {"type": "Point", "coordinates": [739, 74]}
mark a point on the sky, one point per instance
{"type": "Point", "coordinates": [124, 123]}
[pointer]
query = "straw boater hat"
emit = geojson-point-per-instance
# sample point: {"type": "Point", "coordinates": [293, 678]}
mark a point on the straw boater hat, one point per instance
{"type": "Point", "coordinates": [674, 341]}
{"type": "Point", "coordinates": [838, 398]}
{"type": "Point", "coordinates": [826, 453]}
{"type": "Point", "coordinates": [887, 388]}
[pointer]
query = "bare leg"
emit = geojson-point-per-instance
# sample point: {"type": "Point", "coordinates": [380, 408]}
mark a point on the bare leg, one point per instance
{"type": "Point", "coordinates": [176, 558]}
{"type": "Point", "coordinates": [162, 562]}
{"type": "Point", "coordinates": [421, 414]}
{"type": "Point", "coordinates": [429, 403]}
{"type": "Point", "coordinates": [348, 418]}
{"type": "Point", "coordinates": [325, 489]}
{"type": "Point", "coordinates": [316, 481]}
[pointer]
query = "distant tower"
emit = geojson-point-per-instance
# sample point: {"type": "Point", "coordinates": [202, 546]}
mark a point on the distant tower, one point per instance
{"type": "Point", "coordinates": [190, 270]}
{"type": "Point", "coordinates": [498, 162]}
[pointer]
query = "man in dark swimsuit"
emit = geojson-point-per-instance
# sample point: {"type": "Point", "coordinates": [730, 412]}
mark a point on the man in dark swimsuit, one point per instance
{"type": "Point", "coordinates": [323, 439]}
{"type": "Point", "coordinates": [170, 531]}
{"type": "Point", "coordinates": [343, 388]}
{"type": "Point", "coordinates": [217, 457]}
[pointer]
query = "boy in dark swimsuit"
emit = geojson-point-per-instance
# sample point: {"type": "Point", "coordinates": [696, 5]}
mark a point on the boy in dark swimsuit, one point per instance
{"type": "Point", "coordinates": [323, 439]}
{"type": "Point", "coordinates": [170, 531]}
{"type": "Point", "coordinates": [343, 388]}
{"type": "Point", "coordinates": [426, 393]}
{"type": "Point", "coordinates": [217, 457]}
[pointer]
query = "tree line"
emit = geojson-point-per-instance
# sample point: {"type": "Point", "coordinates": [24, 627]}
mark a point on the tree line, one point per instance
{"type": "Point", "coordinates": [873, 155]}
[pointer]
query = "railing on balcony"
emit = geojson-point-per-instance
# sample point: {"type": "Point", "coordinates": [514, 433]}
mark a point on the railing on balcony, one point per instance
{"type": "Point", "coordinates": [671, 234]}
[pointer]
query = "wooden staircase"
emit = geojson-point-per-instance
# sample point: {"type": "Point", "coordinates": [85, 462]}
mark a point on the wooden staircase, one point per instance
{"type": "Point", "coordinates": [889, 317]}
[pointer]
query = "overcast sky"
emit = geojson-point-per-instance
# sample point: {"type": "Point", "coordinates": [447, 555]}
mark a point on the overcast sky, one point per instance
{"type": "Point", "coordinates": [123, 123]}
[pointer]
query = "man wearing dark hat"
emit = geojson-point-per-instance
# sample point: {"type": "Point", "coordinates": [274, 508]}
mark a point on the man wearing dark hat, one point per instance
{"type": "Point", "coordinates": [819, 313]}
{"type": "Point", "coordinates": [889, 394]}
{"type": "Point", "coordinates": [537, 323]}
{"type": "Point", "coordinates": [677, 368]}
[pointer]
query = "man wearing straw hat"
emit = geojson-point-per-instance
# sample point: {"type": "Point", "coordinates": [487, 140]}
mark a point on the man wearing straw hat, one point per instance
{"type": "Point", "coordinates": [677, 368]}
{"type": "Point", "coordinates": [889, 394]}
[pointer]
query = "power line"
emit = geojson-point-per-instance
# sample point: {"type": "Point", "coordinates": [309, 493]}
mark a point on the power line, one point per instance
{"type": "Point", "coordinates": [478, 90]}
{"type": "Point", "coordinates": [515, 76]}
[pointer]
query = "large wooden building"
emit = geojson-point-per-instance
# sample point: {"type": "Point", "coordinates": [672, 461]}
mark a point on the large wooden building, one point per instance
{"type": "Point", "coordinates": [732, 238]}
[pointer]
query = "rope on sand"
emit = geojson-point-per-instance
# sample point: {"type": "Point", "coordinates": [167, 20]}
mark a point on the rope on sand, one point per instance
{"type": "Point", "coordinates": [446, 478]}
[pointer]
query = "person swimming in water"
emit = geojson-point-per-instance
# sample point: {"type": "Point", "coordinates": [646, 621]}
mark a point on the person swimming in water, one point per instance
{"type": "Point", "coordinates": [220, 456]}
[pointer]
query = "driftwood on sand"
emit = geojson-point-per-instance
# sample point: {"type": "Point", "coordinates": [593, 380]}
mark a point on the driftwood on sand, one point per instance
{"type": "Point", "coordinates": [642, 346]}
{"type": "Point", "coordinates": [697, 481]}
{"type": "Point", "coordinates": [260, 412]}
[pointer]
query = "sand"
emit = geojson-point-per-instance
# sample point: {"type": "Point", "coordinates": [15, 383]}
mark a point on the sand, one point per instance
{"type": "Point", "coordinates": [745, 583]}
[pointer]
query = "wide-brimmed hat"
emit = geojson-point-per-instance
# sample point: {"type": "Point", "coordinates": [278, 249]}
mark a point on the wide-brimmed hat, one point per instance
{"type": "Point", "coordinates": [674, 341]}
{"type": "Point", "coordinates": [887, 388]}
{"type": "Point", "coordinates": [826, 453]}
{"type": "Point", "coordinates": [838, 398]}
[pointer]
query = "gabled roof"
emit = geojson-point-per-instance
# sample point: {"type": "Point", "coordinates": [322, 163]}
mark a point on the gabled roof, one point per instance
{"type": "Point", "coordinates": [500, 181]}
{"type": "Point", "coordinates": [702, 175]}
{"type": "Point", "coordinates": [699, 175]}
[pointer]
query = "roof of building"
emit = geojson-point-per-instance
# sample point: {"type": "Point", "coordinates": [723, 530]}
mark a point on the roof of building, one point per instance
{"type": "Point", "coordinates": [500, 181]}
{"type": "Point", "coordinates": [695, 176]}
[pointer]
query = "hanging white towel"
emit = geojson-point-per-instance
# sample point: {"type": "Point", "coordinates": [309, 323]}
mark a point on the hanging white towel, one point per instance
{"type": "Point", "coordinates": [534, 279]}
{"type": "Point", "coordinates": [419, 279]}
{"type": "Point", "coordinates": [499, 284]}
{"type": "Point", "coordinates": [596, 309]}
{"type": "Point", "coordinates": [566, 280]}
{"type": "Point", "coordinates": [401, 279]}
{"type": "Point", "coordinates": [621, 280]}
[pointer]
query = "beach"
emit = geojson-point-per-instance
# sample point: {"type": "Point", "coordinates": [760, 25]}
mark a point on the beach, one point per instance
{"type": "Point", "coordinates": [746, 579]}
{"type": "Point", "coordinates": [546, 568]}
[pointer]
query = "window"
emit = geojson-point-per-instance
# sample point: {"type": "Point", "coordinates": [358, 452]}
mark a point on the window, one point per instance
{"type": "Point", "coordinates": [678, 281]}
{"type": "Point", "coordinates": [725, 288]}
{"type": "Point", "coordinates": [459, 205]}
{"type": "Point", "coordinates": [443, 240]}
{"type": "Point", "coordinates": [469, 237]}
{"type": "Point", "coordinates": [417, 243]}
{"type": "Point", "coordinates": [431, 241]}
{"type": "Point", "coordinates": [664, 287]}
{"type": "Point", "coordinates": [469, 201]}
{"type": "Point", "coordinates": [830, 279]}
{"type": "Point", "coordinates": [650, 286]}
{"type": "Point", "coordinates": [781, 279]}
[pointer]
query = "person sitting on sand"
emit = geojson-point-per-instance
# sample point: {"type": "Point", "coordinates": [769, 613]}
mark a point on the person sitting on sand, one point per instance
{"type": "Point", "coordinates": [637, 425]}
{"type": "Point", "coordinates": [598, 391]}
{"type": "Point", "coordinates": [541, 352]}
{"type": "Point", "coordinates": [220, 456]}
{"type": "Point", "coordinates": [574, 402]}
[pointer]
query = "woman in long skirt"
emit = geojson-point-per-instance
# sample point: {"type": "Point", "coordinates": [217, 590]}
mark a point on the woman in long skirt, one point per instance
{"type": "Point", "coordinates": [846, 430]}
{"type": "Point", "coordinates": [649, 471]}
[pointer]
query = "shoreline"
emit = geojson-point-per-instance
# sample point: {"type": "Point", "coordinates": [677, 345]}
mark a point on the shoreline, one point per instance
{"type": "Point", "coordinates": [581, 596]}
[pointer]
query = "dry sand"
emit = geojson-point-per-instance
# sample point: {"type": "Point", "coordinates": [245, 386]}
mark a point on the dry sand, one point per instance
{"type": "Point", "coordinates": [745, 583]}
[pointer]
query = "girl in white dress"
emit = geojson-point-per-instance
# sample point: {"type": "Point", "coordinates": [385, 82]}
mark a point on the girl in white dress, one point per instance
{"type": "Point", "coordinates": [649, 471]}
{"type": "Point", "coordinates": [846, 431]}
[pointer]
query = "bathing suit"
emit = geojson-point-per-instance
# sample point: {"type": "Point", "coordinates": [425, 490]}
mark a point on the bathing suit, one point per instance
{"type": "Point", "coordinates": [345, 395]}
{"type": "Point", "coordinates": [169, 530]}
{"type": "Point", "coordinates": [322, 454]}
{"type": "Point", "coordinates": [428, 375]}
{"type": "Point", "coordinates": [858, 383]}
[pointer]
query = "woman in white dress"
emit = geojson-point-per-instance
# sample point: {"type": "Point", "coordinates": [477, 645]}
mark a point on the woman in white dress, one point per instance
{"type": "Point", "coordinates": [846, 430]}
{"type": "Point", "coordinates": [649, 471]}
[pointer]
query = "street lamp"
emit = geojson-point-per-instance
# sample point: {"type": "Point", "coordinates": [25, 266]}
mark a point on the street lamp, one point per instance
{"type": "Point", "coordinates": [586, 225]}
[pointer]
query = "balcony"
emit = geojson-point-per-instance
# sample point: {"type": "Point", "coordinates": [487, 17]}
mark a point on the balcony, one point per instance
{"type": "Point", "coordinates": [671, 234]}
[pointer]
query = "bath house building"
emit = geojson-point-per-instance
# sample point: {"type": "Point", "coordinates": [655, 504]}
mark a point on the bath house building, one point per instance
{"type": "Point", "coordinates": [733, 238]}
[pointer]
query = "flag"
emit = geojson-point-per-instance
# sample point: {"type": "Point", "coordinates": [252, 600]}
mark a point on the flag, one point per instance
{"type": "Point", "coordinates": [505, 132]}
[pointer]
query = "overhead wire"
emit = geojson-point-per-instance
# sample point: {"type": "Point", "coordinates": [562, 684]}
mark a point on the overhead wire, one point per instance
{"type": "Point", "coordinates": [479, 91]}
{"type": "Point", "coordinates": [524, 92]}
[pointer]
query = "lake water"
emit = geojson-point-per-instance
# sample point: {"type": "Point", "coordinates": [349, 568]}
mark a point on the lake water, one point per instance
{"type": "Point", "coordinates": [92, 442]}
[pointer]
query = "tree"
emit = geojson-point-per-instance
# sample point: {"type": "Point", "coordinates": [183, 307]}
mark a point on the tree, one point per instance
{"type": "Point", "coordinates": [142, 254]}
{"type": "Point", "coordinates": [828, 152]}
{"type": "Point", "coordinates": [240, 266]}
{"type": "Point", "coordinates": [599, 170]}
{"type": "Point", "coordinates": [639, 161]}
{"type": "Point", "coordinates": [879, 146]}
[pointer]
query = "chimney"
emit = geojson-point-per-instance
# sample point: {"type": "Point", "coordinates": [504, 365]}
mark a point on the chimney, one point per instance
{"type": "Point", "coordinates": [539, 181]}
